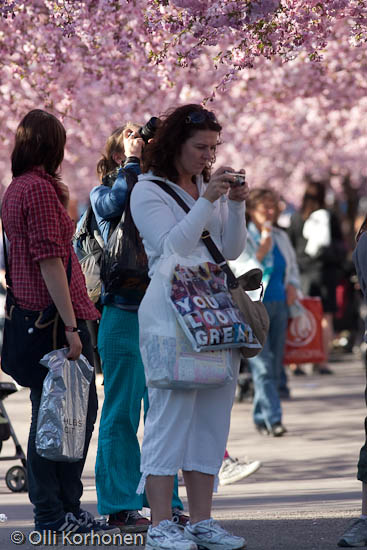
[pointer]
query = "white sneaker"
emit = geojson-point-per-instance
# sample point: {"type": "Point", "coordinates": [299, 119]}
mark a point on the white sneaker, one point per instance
{"type": "Point", "coordinates": [210, 535]}
{"type": "Point", "coordinates": [167, 536]}
{"type": "Point", "coordinates": [232, 470]}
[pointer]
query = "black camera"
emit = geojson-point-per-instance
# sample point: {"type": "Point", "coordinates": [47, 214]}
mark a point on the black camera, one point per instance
{"type": "Point", "coordinates": [147, 131]}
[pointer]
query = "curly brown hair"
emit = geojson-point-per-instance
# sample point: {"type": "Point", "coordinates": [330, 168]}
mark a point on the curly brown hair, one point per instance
{"type": "Point", "coordinates": [176, 127]}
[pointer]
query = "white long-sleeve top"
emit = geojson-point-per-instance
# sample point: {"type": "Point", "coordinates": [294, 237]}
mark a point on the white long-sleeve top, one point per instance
{"type": "Point", "coordinates": [166, 228]}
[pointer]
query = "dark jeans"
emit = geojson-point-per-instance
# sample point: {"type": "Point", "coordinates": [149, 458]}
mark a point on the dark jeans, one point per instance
{"type": "Point", "coordinates": [55, 488]}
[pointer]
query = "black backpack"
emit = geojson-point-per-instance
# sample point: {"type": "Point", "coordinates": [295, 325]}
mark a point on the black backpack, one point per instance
{"type": "Point", "coordinates": [88, 246]}
{"type": "Point", "coordinates": [124, 264]}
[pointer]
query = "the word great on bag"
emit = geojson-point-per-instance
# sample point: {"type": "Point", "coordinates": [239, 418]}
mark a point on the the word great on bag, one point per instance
{"type": "Point", "coordinates": [206, 310]}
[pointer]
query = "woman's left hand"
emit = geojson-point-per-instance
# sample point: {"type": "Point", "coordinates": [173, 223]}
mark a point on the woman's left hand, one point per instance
{"type": "Point", "coordinates": [291, 294]}
{"type": "Point", "coordinates": [75, 345]}
{"type": "Point", "coordinates": [239, 193]}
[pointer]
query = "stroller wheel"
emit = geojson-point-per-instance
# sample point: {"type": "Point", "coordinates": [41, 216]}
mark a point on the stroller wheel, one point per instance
{"type": "Point", "coordinates": [16, 479]}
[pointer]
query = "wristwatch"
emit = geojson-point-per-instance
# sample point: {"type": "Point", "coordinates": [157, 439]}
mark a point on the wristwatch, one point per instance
{"type": "Point", "coordinates": [71, 329]}
{"type": "Point", "coordinates": [134, 160]}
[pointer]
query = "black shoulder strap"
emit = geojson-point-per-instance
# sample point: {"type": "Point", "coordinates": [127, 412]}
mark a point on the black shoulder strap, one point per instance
{"type": "Point", "coordinates": [131, 179]}
{"type": "Point", "coordinates": [89, 218]}
{"type": "Point", "coordinates": [205, 237]}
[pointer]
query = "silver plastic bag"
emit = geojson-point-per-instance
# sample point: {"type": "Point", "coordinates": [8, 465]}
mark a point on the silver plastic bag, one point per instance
{"type": "Point", "coordinates": [63, 409]}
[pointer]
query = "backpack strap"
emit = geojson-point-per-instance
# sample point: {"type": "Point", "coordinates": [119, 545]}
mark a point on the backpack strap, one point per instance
{"type": "Point", "coordinates": [131, 178]}
{"type": "Point", "coordinates": [89, 227]}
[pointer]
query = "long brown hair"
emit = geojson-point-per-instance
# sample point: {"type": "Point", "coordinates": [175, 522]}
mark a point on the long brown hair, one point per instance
{"type": "Point", "coordinates": [176, 127]}
{"type": "Point", "coordinates": [39, 141]}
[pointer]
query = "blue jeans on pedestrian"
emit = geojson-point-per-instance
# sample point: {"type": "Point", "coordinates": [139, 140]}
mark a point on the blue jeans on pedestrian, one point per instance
{"type": "Point", "coordinates": [266, 368]}
{"type": "Point", "coordinates": [55, 488]}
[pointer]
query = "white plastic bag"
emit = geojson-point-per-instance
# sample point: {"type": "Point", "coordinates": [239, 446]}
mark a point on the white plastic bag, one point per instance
{"type": "Point", "coordinates": [169, 359]}
{"type": "Point", "coordinates": [63, 409]}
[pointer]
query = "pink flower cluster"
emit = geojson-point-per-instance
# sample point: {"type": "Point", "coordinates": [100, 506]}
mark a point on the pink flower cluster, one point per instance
{"type": "Point", "coordinates": [286, 78]}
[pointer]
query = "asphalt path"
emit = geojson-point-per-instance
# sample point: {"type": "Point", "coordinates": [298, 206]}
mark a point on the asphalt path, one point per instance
{"type": "Point", "coordinates": [302, 497]}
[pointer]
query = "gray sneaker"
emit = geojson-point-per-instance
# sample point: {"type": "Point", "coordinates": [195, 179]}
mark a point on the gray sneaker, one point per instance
{"type": "Point", "coordinates": [356, 534]}
{"type": "Point", "coordinates": [167, 536]}
{"type": "Point", "coordinates": [233, 470]}
{"type": "Point", "coordinates": [210, 535]}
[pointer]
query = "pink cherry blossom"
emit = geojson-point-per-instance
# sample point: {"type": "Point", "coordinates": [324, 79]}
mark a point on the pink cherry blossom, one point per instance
{"type": "Point", "coordinates": [286, 78]}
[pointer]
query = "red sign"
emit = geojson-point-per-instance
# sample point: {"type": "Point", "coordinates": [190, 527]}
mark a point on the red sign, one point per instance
{"type": "Point", "coordinates": [304, 342]}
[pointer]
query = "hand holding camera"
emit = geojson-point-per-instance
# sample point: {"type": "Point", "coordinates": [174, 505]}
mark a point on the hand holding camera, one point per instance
{"type": "Point", "coordinates": [236, 178]}
{"type": "Point", "coordinates": [135, 140]}
{"type": "Point", "coordinates": [238, 187]}
{"type": "Point", "coordinates": [218, 185]}
{"type": "Point", "coordinates": [225, 179]}
{"type": "Point", "coordinates": [133, 143]}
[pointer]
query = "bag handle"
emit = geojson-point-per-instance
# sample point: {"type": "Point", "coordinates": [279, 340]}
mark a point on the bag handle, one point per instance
{"type": "Point", "coordinates": [205, 237]}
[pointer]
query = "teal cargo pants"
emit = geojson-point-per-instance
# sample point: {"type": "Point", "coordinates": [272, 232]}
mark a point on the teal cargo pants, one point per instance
{"type": "Point", "coordinates": [118, 456]}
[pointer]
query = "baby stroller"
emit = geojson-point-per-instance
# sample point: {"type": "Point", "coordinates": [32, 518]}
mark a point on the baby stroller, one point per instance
{"type": "Point", "coordinates": [16, 476]}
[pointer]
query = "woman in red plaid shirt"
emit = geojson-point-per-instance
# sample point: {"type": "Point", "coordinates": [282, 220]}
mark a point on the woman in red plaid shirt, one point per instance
{"type": "Point", "coordinates": [39, 231]}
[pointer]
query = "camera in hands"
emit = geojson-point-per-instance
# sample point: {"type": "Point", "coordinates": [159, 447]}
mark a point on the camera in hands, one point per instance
{"type": "Point", "coordinates": [147, 131]}
{"type": "Point", "coordinates": [239, 180]}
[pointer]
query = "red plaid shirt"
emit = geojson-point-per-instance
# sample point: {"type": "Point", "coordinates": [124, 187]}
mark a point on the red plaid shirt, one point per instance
{"type": "Point", "coordinates": [38, 227]}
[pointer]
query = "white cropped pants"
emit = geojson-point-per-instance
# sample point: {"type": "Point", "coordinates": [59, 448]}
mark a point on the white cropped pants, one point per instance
{"type": "Point", "coordinates": [187, 429]}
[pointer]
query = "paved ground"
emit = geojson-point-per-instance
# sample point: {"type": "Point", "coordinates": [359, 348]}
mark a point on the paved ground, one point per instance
{"type": "Point", "coordinates": [303, 496]}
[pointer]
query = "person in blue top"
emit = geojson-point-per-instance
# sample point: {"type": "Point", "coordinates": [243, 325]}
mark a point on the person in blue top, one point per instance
{"type": "Point", "coordinates": [268, 248]}
{"type": "Point", "coordinates": [118, 455]}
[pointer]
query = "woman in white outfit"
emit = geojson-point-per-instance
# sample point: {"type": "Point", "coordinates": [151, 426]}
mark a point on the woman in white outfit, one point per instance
{"type": "Point", "coordinates": [187, 429]}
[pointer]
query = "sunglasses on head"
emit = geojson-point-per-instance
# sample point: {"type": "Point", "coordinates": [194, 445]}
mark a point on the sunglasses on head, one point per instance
{"type": "Point", "coordinates": [198, 117]}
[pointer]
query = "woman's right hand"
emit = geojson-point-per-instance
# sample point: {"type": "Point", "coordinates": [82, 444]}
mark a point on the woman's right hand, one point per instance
{"type": "Point", "coordinates": [75, 345]}
{"type": "Point", "coordinates": [266, 243]}
{"type": "Point", "coordinates": [265, 246]}
{"type": "Point", "coordinates": [133, 143]}
{"type": "Point", "coordinates": [218, 184]}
